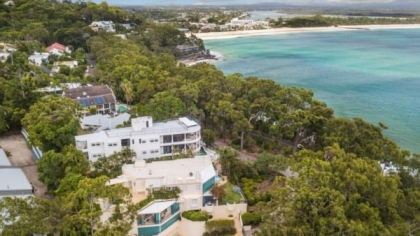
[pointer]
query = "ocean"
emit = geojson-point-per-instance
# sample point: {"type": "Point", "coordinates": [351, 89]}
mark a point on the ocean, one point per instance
{"type": "Point", "coordinates": [373, 74]}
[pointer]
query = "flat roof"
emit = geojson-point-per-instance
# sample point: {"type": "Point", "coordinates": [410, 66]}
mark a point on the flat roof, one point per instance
{"type": "Point", "coordinates": [172, 172]}
{"type": "Point", "coordinates": [156, 207]}
{"type": "Point", "coordinates": [180, 125]}
{"type": "Point", "coordinates": [13, 179]}
{"type": "Point", "coordinates": [4, 161]}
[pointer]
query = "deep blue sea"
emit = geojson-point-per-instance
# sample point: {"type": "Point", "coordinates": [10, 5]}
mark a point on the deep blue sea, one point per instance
{"type": "Point", "coordinates": [374, 75]}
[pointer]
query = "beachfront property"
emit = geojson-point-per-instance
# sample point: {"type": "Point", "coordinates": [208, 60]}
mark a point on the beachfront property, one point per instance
{"type": "Point", "coordinates": [100, 122]}
{"type": "Point", "coordinates": [193, 176]}
{"type": "Point", "coordinates": [158, 218]}
{"type": "Point", "coordinates": [107, 26]}
{"type": "Point", "coordinates": [145, 138]}
{"type": "Point", "coordinates": [38, 58]}
{"type": "Point", "coordinates": [13, 182]}
{"type": "Point", "coordinates": [58, 49]}
{"type": "Point", "coordinates": [99, 98]}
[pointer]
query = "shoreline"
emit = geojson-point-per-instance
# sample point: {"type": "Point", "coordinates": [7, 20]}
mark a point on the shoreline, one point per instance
{"type": "Point", "coordinates": [279, 31]}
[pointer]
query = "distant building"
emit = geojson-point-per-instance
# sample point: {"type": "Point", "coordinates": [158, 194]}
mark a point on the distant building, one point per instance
{"type": "Point", "coordinates": [58, 49]}
{"type": "Point", "coordinates": [194, 177]}
{"type": "Point", "coordinates": [184, 49]}
{"type": "Point", "coordinates": [38, 59]}
{"type": "Point", "coordinates": [6, 47]}
{"type": "Point", "coordinates": [9, 3]}
{"type": "Point", "coordinates": [107, 26]}
{"type": "Point", "coordinates": [145, 138]}
{"type": "Point", "coordinates": [100, 122]}
{"type": "Point", "coordinates": [70, 64]}
{"type": "Point", "coordinates": [13, 182]}
{"type": "Point", "coordinates": [4, 56]}
{"type": "Point", "coordinates": [99, 97]}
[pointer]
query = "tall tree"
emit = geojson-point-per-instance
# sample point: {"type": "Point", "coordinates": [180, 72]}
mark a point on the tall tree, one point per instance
{"type": "Point", "coordinates": [52, 123]}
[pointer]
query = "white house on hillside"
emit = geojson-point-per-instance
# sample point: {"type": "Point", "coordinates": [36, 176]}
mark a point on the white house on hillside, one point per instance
{"type": "Point", "coordinates": [38, 59]}
{"type": "Point", "coordinates": [193, 176]}
{"type": "Point", "coordinates": [145, 138]}
{"type": "Point", "coordinates": [107, 26]}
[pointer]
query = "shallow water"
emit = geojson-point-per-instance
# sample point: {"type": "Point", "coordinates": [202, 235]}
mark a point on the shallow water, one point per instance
{"type": "Point", "coordinates": [370, 74]}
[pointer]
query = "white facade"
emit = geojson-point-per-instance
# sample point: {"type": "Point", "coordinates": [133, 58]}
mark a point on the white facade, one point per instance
{"type": "Point", "coordinates": [145, 138]}
{"type": "Point", "coordinates": [107, 26]}
{"type": "Point", "coordinates": [193, 176]}
{"type": "Point", "coordinates": [4, 56]}
{"type": "Point", "coordinates": [38, 58]}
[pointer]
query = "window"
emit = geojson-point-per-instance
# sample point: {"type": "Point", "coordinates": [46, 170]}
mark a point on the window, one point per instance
{"type": "Point", "coordinates": [179, 148]}
{"type": "Point", "coordinates": [144, 152]}
{"type": "Point", "coordinates": [81, 144]}
{"type": "Point", "coordinates": [167, 139]}
{"type": "Point", "coordinates": [143, 141]}
{"type": "Point", "coordinates": [191, 136]}
{"type": "Point", "coordinates": [132, 141]}
{"type": "Point", "coordinates": [167, 149]}
{"type": "Point", "coordinates": [125, 142]}
{"type": "Point", "coordinates": [179, 137]}
{"type": "Point", "coordinates": [95, 144]}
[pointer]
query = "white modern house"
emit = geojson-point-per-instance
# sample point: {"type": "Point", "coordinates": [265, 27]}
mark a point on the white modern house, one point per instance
{"type": "Point", "coordinates": [107, 26]}
{"type": "Point", "coordinates": [146, 138]}
{"type": "Point", "coordinates": [193, 176]}
{"type": "Point", "coordinates": [38, 59]}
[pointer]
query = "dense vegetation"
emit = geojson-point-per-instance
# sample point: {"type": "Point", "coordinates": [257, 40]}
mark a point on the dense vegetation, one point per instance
{"type": "Point", "coordinates": [319, 21]}
{"type": "Point", "coordinates": [316, 174]}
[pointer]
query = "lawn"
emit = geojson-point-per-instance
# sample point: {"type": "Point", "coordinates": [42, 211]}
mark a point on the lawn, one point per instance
{"type": "Point", "coordinates": [230, 195]}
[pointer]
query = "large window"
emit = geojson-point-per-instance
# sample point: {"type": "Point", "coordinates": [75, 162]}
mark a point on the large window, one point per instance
{"type": "Point", "coordinates": [179, 137]}
{"type": "Point", "coordinates": [81, 144]}
{"type": "Point", "coordinates": [167, 149]}
{"type": "Point", "coordinates": [167, 139]}
{"type": "Point", "coordinates": [191, 136]}
{"type": "Point", "coordinates": [179, 148]}
{"type": "Point", "coordinates": [125, 142]}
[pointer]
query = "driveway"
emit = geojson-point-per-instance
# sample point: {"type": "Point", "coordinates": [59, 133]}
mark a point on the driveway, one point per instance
{"type": "Point", "coordinates": [20, 155]}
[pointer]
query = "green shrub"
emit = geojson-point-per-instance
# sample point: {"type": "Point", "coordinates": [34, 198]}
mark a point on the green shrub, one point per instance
{"type": "Point", "coordinates": [220, 228]}
{"type": "Point", "coordinates": [251, 218]}
{"type": "Point", "coordinates": [196, 215]}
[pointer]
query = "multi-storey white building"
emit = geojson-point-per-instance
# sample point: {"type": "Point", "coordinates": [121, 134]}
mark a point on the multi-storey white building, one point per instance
{"type": "Point", "coordinates": [193, 176]}
{"type": "Point", "coordinates": [145, 138]}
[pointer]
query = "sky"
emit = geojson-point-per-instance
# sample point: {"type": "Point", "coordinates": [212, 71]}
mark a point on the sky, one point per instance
{"type": "Point", "coordinates": [226, 2]}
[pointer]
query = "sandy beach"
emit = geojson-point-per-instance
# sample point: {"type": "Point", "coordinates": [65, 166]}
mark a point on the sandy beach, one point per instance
{"type": "Point", "coordinates": [275, 31]}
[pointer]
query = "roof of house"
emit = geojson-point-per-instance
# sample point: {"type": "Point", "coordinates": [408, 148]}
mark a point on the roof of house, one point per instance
{"type": "Point", "coordinates": [180, 125]}
{"type": "Point", "coordinates": [156, 207]}
{"type": "Point", "coordinates": [56, 46]}
{"type": "Point", "coordinates": [104, 122]}
{"type": "Point", "coordinates": [173, 172]}
{"type": "Point", "coordinates": [91, 95]}
{"type": "Point", "coordinates": [4, 161]}
{"type": "Point", "coordinates": [12, 179]}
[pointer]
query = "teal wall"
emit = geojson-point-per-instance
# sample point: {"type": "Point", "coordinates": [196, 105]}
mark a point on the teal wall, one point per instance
{"type": "Point", "coordinates": [156, 229]}
{"type": "Point", "coordinates": [209, 184]}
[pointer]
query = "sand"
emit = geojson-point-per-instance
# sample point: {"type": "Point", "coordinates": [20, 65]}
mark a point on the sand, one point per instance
{"type": "Point", "coordinates": [275, 31]}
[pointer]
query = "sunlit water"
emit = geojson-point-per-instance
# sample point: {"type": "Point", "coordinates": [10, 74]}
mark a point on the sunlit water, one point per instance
{"type": "Point", "coordinates": [370, 74]}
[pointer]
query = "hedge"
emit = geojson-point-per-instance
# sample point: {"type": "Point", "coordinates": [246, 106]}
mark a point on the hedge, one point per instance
{"type": "Point", "coordinates": [196, 215]}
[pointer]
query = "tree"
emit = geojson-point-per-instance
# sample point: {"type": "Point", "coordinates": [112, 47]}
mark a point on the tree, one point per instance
{"type": "Point", "coordinates": [111, 166]}
{"type": "Point", "coordinates": [53, 166]}
{"type": "Point", "coordinates": [52, 123]}
{"type": "Point", "coordinates": [163, 106]}
{"type": "Point", "coordinates": [218, 192]}
{"type": "Point", "coordinates": [336, 193]}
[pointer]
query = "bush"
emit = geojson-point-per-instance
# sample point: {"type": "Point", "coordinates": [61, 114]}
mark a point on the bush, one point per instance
{"type": "Point", "coordinates": [196, 215]}
{"type": "Point", "coordinates": [220, 228]}
{"type": "Point", "coordinates": [251, 218]}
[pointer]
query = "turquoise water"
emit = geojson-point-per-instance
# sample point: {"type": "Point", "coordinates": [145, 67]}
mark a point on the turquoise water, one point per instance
{"type": "Point", "coordinates": [370, 74]}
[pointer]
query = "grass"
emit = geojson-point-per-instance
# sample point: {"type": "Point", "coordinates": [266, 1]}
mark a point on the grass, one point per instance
{"type": "Point", "coordinates": [230, 195]}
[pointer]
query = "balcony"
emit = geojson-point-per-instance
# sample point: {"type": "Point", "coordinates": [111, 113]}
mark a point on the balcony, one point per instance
{"type": "Point", "coordinates": [157, 217]}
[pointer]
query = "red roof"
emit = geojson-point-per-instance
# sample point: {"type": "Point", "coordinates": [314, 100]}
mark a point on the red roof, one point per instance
{"type": "Point", "coordinates": [56, 46]}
